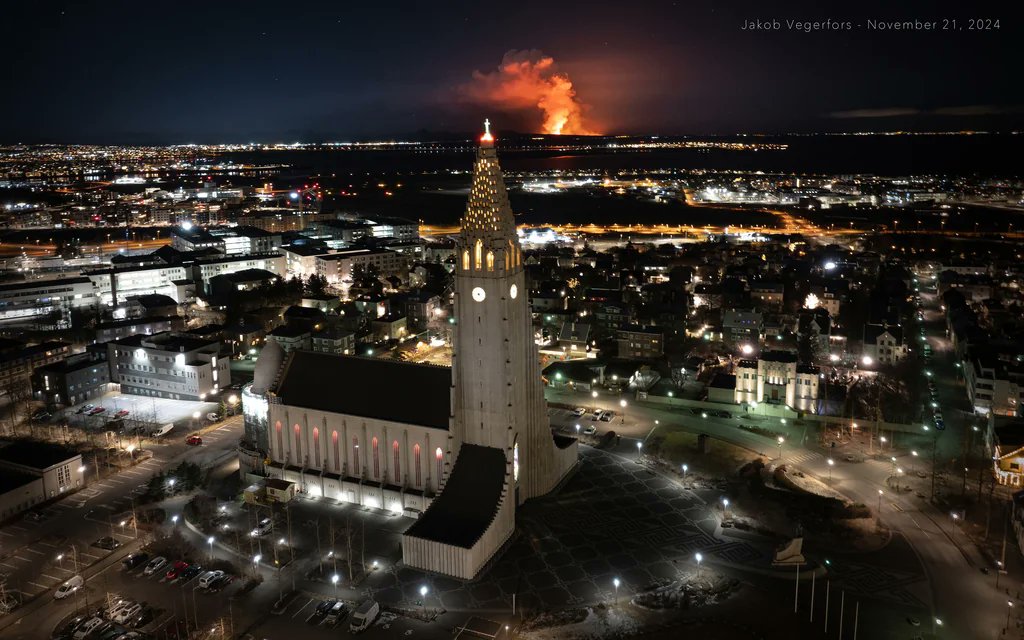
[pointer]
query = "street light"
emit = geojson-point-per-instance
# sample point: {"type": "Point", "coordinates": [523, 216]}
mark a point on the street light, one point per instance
{"type": "Point", "coordinates": [334, 581]}
{"type": "Point", "coordinates": [256, 563]}
{"type": "Point", "coordinates": [879, 503]}
{"type": "Point", "coordinates": [639, 447]}
{"type": "Point", "coordinates": [781, 440]}
{"type": "Point", "coordinates": [423, 597]}
{"type": "Point", "coordinates": [725, 508]}
{"type": "Point", "coordinates": [698, 557]}
{"type": "Point", "coordinates": [622, 403]}
{"type": "Point", "coordinates": [210, 541]}
{"type": "Point", "coordinates": [685, 468]}
{"type": "Point", "coordinates": [174, 519]}
{"type": "Point", "coordinates": [1009, 608]}
{"type": "Point", "coordinates": [913, 455]}
{"type": "Point", "coordinates": [831, 463]}
{"type": "Point", "coordinates": [615, 581]}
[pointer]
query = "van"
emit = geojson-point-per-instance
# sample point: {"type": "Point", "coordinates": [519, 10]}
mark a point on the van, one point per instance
{"type": "Point", "coordinates": [164, 430]}
{"type": "Point", "coordinates": [208, 578]}
{"type": "Point", "coordinates": [364, 616]}
{"type": "Point", "coordinates": [72, 585]}
{"type": "Point", "coordinates": [336, 613]}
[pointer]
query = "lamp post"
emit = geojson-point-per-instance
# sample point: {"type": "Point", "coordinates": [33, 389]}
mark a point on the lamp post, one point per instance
{"type": "Point", "coordinates": [780, 441]}
{"type": "Point", "coordinates": [256, 564]}
{"type": "Point", "coordinates": [593, 394]}
{"type": "Point", "coordinates": [622, 403]}
{"type": "Point", "coordinates": [698, 557]}
{"type": "Point", "coordinates": [174, 519]}
{"type": "Point", "coordinates": [639, 448]}
{"type": "Point", "coordinates": [423, 598]}
{"type": "Point", "coordinates": [725, 508]}
{"type": "Point", "coordinates": [334, 581]}
{"type": "Point", "coordinates": [913, 454]}
{"type": "Point", "coordinates": [831, 463]}
{"type": "Point", "coordinates": [685, 469]}
{"type": "Point", "coordinates": [577, 430]}
{"type": "Point", "coordinates": [880, 502]}
{"type": "Point", "coordinates": [210, 541]}
{"type": "Point", "coordinates": [615, 582]}
{"type": "Point", "coordinates": [1009, 609]}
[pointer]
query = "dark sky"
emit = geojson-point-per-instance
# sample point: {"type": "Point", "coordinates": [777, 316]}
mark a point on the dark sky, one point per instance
{"type": "Point", "coordinates": [276, 71]}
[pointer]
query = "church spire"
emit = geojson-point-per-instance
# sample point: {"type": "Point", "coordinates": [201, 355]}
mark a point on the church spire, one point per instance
{"type": "Point", "coordinates": [488, 213]}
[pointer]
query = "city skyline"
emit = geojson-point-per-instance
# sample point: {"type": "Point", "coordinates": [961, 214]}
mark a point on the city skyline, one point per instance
{"type": "Point", "coordinates": [211, 74]}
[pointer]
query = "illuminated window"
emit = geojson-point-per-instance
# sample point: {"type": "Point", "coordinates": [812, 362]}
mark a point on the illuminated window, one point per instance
{"type": "Point", "coordinates": [298, 442]}
{"type": "Point", "coordinates": [355, 456]}
{"type": "Point", "coordinates": [316, 446]}
{"type": "Point", "coordinates": [416, 464]}
{"type": "Point", "coordinates": [440, 466]}
{"type": "Point", "coordinates": [280, 438]}
{"type": "Point", "coordinates": [465, 260]}
{"type": "Point", "coordinates": [337, 451]}
{"type": "Point", "coordinates": [478, 258]}
{"type": "Point", "coordinates": [508, 261]}
{"type": "Point", "coordinates": [397, 474]}
{"type": "Point", "coordinates": [376, 458]}
{"type": "Point", "coordinates": [515, 462]}
{"type": "Point", "coordinates": [490, 261]}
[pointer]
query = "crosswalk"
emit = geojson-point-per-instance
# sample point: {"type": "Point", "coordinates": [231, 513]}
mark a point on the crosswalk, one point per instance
{"type": "Point", "coordinates": [801, 457]}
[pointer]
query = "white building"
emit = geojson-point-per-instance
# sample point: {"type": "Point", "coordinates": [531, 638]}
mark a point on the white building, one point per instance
{"type": "Point", "coordinates": [42, 297]}
{"type": "Point", "coordinates": [994, 385]}
{"type": "Point", "coordinates": [883, 343]}
{"type": "Point", "coordinates": [340, 266]}
{"type": "Point", "coordinates": [776, 378]}
{"type": "Point", "coordinates": [168, 365]}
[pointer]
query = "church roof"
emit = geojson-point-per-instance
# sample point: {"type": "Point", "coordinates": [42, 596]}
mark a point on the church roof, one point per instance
{"type": "Point", "coordinates": [488, 210]}
{"type": "Point", "coordinates": [416, 394]}
{"type": "Point", "coordinates": [469, 501]}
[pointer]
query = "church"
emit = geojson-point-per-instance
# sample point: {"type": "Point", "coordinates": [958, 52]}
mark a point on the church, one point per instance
{"type": "Point", "coordinates": [458, 448]}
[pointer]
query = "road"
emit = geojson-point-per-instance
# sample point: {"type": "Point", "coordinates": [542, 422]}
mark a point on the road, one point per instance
{"type": "Point", "coordinates": [38, 556]}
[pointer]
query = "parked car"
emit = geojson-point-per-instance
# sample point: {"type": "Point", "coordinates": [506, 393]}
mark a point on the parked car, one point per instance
{"type": "Point", "coordinates": [134, 560]}
{"type": "Point", "coordinates": [336, 614]}
{"type": "Point", "coordinates": [72, 624]}
{"type": "Point", "coordinates": [107, 543]}
{"type": "Point", "coordinates": [607, 416]}
{"type": "Point", "coordinates": [209, 578]}
{"type": "Point", "coordinates": [127, 613]}
{"type": "Point", "coordinates": [41, 414]}
{"type": "Point", "coordinates": [175, 570]}
{"type": "Point", "coordinates": [597, 415]}
{"type": "Point", "coordinates": [213, 416]}
{"type": "Point", "coordinates": [71, 585]}
{"type": "Point", "coordinates": [85, 408]}
{"type": "Point", "coordinates": [192, 571]}
{"type": "Point", "coordinates": [322, 610]}
{"type": "Point", "coordinates": [219, 583]}
{"type": "Point", "coordinates": [95, 411]}
{"type": "Point", "coordinates": [364, 616]}
{"type": "Point", "coordinates": [263, 528]}
{"type": "Point", "coordinates": [141, 619]}
{"type": "Point", "coordinates": [194, 440]}
{"type": "Point", "coordinates": [87, 627]}
{"type": "Point", "coordinates": [579, 411]}
{"type": "Point", "coordinates": [590, 430]}
{"type": "Point", "coordinates": [154, 565]}
{"type": "Point", "coordinates": [122, 413]}
{"type": "Point", "coordinates": [119, 606]}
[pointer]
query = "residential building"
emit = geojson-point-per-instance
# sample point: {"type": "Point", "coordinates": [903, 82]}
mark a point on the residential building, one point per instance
{"type": "Point", "coordinates": [640, 343]}
{"type": "Point", "coordinates": [343, 265]}
{"type": "Point", "coordinates": [42, 297]}
{"type": "Point", "coordinates": [776, 377]}
{"type": "Point", "coordinates": [72, 381]}
{"type": "Point", "coordinates": [168, 365]}
{"type": "Point", "coordinates": [883, 343]}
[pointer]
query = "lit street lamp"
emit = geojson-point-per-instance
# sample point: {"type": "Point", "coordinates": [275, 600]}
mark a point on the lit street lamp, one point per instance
{"type": "Point", "coordinates": [879, 503]}
{"type": "Point", "coordinates": [1009, 608]}
{"type": "Point", "coordinates": [334, 581]}
{"type": "Point", "coordinates": [698, 557]}
{"type": "Point", "coordinates": [577, 430]}
{"type": "Point", "coordinates": [685, 468]}
{"type": "Point", "coordinates": [615, 582]}
{"type": "Point", "coordinates": [831, 463]}
{"type": "Point", "coordinates": [639, 447]}
{"type": "Point", "coordinates": [423, 597]}
{"type": "Point", "coordinates": [781, 440]}
{"type": "Point", "coordinates": [913, 455]}
{"type": "Point", "coordinates": [210, 541]}
{"type": "Point", "coordinates": [725, 508]}
{"type": "Point", "coordinates": [622, 403]}
{"type": "Point", "coordinates": [256, 564]}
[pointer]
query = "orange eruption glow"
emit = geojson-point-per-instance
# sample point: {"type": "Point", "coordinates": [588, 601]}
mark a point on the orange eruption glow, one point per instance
{"type": "Point", "coordinates": [529, 80]}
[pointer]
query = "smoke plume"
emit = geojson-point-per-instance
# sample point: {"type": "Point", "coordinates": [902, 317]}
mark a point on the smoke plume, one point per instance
{"type": "Point", "coordinates": [530, 80]}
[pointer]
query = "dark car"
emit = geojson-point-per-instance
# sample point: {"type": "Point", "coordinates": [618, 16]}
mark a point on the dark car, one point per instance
{"type": "Point", "coordinates": [134, 560]}
{"type": "Point", "coordinates": [41, 414]}
{"type": "Point", "coordinates": [322, 610]}
{"type": "Point", "coordinates": [69, 628]}
{"type": "Point", "coordinates": [142, 619]}
{"type": "Point", "coordinates": [220, 583]}
{"type": "Point", "coordinates": [107, 543]}
{"type": "Point", "coordinates": [192, 571]}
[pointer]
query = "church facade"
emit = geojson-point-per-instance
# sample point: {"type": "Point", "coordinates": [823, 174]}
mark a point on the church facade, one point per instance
{"type": "Point", "coordinates": [458, 448]}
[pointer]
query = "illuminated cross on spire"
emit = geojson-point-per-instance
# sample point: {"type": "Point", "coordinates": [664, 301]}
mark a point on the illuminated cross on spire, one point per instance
{"type": "Point", "coordinates": [487, 127]}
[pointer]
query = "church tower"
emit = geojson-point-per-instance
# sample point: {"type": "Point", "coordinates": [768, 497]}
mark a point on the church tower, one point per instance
{"type": "Point", "coordinates": [500, 439]}
{"type": "Point", "coordinates": [496, 379]}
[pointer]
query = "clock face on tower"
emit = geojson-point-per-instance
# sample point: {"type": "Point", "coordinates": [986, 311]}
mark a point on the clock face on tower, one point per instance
{"type": "Point", "coordinates": [513, 291]}
{"type": "Point", "coordinates": [479, 294]}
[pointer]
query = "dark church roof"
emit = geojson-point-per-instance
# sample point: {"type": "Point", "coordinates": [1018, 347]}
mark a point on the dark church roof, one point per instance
{"type": "Point", "coordinates": [469, 502]}
{"type": "Point", "coordinates": [403, 392]}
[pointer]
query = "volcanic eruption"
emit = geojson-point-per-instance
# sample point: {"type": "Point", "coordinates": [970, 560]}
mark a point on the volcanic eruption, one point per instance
{"type": "Point", "coordinates": [530, 80]}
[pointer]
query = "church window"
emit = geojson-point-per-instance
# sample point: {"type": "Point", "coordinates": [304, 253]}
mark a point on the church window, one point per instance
{"type": "Point", "coordinates": [376, 458]}
{"type": "Point", "coordinates": [280, 438]}
{"type": "Point", "coordinates": [416, 464]}
{"type": "Point", "coordinates": [515, 462]}
{"type": "Point", "coordinates": [316, 446]}
{"type": "Point", "coordinates": [490, 261]}
{"type": "Point", "coordinates": [298, 442]}
{"type": "Point", "coordinates": [397, 474]}
{"type": "Point", "coordinates": [440, 466]}
{"type": "Point", "coordinates": [355, 455]}
{"type": "Point", "coordinates": [465, 260]}
{"type": "Point", "coordinates": [478, 258]}
{"type": "Point", "coordinates": [337, 451]}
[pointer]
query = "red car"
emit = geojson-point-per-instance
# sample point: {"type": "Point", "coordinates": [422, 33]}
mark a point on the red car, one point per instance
{"type": "Point", "coordinates": [97, 411]}
{"type": "Point", "coordinates": [194, 441]}
{"type": "Point", "coordinates": [176, 570]}
{"type": "Point", "coordinates": [122, 413]}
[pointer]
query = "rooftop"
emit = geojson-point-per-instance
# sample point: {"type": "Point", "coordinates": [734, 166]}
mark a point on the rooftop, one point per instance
{"type": "Point", "coordinates": [402, 392]}
{"type": "Point", "coordinates": [37, 455]}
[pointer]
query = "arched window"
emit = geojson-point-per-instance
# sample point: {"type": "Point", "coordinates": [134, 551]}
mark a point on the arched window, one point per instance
{"type": "Point", "coordinates": [280, 438]}
{"type": "Point", "coordinates": [298, 442]}
{"type": "Point", "coordinates": [397, 472]}
{"type": "Point", "coordinates": [490, 261]}
{"type": "Point", "coordinates": [376, 458]}
{"type": "Point", "coordinates": [316, 446]}
{"type": "Point", "coordinates": [508, 261]}
{"type": "Point", "coordinates": [356, 469]}
{"type": "Point", "coordinates": [416, 464]}
{"type": "Point", "coordinates": [440, 466]}
{"type": "Point", "coordinates": [478, 257]}
{"type": "Point", "coordinates": [337, 451]}
{"type": "Point", "coordinates": [465, 260]}
{"type": "Point", "coordinates": [515, 462]}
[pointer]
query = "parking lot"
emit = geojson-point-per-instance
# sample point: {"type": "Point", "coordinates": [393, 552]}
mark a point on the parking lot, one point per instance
{"type": "Point", "coordinates": [157, 411]}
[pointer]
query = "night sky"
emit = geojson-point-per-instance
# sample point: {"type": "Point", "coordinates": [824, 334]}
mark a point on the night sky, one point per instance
{"type": "Point", "coordinates": [184, 71]}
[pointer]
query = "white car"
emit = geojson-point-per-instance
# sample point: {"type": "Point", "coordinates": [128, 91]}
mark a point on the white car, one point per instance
{"type": "Point", "coordinates": [590, 430]}
{"type": "Point", "coordinates": [118, 607]}
{"type": "Point", "coordinates": [154, 565]}
{"type": "Point", "coordinates": [127, 613]}
{"type": "Point", "coordinates": [87, 627]}
{"type": "Point", "coordinates": [578, 411]}
{"type": "Point", "coordinates": [263, 528]}
{"type": "Point", "coordinates": [208, 578]}
{"type": "Point", "coordinates": [73, 584]}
